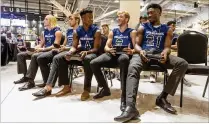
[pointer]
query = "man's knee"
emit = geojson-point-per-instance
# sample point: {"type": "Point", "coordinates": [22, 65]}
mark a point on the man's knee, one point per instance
{"type": "Point", "coordinates": [123, 59]}
{"type": "Point", "coordinates": [94, 62]}
{"type": "Point", "coordinates": [21, 55]}
{"type": "Point", "coordinates": [89, 57]}
{"type": "Point", "coordinates": [134, 69]}
{"type": "Point", "coordinates": [183, 64]}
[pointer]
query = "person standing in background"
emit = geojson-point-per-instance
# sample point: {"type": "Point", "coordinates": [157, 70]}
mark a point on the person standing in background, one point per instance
{"type": "Point", "coordinates": [142, 19]}
{"type": "Point", "coordinates": [21, 46]}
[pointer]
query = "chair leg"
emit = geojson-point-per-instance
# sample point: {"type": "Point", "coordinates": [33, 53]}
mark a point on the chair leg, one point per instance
{"type": "Point", "coordinates": [110, 77]}
{"type": "Point", "coordinates": [181, 94]}
{"type": "Point", "coordinates": [71, 75]}
{"type": "Point", "coordinates": [165, 79]}
{"type": "Point", "coordinates": [206, 85]}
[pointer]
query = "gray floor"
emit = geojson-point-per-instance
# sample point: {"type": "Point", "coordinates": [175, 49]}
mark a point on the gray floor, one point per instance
{"type": "Point", "coordinates": [19, 106]}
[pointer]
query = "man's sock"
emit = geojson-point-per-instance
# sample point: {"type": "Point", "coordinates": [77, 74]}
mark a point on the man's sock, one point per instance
{"type": "Point", "coordinates": [163, 95]}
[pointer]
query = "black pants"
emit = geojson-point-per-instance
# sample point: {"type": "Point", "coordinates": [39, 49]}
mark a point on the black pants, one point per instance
{"type": "Point", "coordinates": [44, 61]}
{"type": "Point", "coordinates": [135, 67]}
{"type": "Point", "coordinates": [63, 71]}
{"type": "Point", "coordinates": [33, 67]}
{"type": "Point", "coordinates": [55, 68]}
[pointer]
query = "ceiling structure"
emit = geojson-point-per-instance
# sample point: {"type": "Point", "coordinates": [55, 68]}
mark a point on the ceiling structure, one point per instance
{"type": "Point", "coordinates": [106, 9]}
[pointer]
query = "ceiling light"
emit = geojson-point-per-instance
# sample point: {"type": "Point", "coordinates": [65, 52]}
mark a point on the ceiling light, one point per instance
{"type": "Point", "coordinates": [116, 1]}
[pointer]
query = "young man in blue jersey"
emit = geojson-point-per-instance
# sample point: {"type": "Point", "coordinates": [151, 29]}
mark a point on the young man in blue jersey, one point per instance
{"type": "Point", "coordinates": [21, 46]}
{"type": "Point", "coordinates": [122, 36]}
{"type": "Point", "coordinates": [172, 25]}
{"type": "Point", "coordinates": [73, 22]}
{"type": "Point", "coordinates": [52, 34]}
{"type": "Point", "coordinates": [90, 38]}
{"type": "Point", "coordinates": [153, 35]}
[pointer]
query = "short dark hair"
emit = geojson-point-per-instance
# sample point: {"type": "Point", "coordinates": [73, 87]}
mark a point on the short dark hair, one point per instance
{"type": "Point", "coordinates": [19, 35]}
{"type": "Point", "coordinates": [85, 10]}
{"type": "Point", "coordinates": [155, 6]}
{"type": "Point", "coordinates": [143, 17]}
{"type": "Point", "coordinates": [170, 23]}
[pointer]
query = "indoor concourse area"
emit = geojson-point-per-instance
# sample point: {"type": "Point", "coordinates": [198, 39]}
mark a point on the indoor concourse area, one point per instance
{"type": "Point", "coordinates": [104, 61]}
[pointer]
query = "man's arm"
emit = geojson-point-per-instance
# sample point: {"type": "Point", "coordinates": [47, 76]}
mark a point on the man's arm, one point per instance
{"type": "Point", "coordinates": [139, 39]}
{"type": "Point", "coordinates": [65, 41]}
{"type": "Point", "coordinates": [97, 42]}
{"type": "Point", "coordinates": [133, 38]}
{"type": "Point", "coordinates": [75, 42]}
{"type": "Point", "coordinates": [108, 45]}
{"type": "Point", "coordinates": [168, 38]}
{"type": "Point", "coordinates": [174, 47]}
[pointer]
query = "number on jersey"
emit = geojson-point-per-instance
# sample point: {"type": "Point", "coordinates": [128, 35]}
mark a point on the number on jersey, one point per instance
{"type": "Point", "coordinates": [151, 40]}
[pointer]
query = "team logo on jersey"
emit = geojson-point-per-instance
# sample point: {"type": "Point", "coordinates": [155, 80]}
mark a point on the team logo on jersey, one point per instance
{"type": "Point", "coordinates": [119, 42]}
{"type": "Point", "coordinates": [87, 45]}
{"type": "Point", "coordinates": [48, 40]}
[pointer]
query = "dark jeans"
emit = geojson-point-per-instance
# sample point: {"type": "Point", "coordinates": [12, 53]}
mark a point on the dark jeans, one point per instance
{"type": "Point", "coordinates": [55, 68]}
{"type": "Point", "coordinates": [63, 71]}
{"type": "Point", "coordinates": [135, 67]}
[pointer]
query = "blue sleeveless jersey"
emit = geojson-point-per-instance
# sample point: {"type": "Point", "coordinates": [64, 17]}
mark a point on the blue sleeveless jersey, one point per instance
{"type": "Point", "coordinates": [154, 37]}
{"type": "Point", "coordinates": [49, 36]}
{"type": "Point", "coordinates": [20, 42]}
{"type": "Point", "coordinates": [86, 37]}
{"type": "Point", "coordinates": [69, 36]}
{"type": "Point", "coordinates": [122, 39]}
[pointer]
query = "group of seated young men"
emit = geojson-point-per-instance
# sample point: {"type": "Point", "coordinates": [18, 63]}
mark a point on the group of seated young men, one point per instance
{"type": "Point", "coordinates": [85, 41]}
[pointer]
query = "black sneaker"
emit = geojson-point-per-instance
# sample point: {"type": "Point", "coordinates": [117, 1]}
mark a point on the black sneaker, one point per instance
{"type": "Point", "coordinates": [22, 80]}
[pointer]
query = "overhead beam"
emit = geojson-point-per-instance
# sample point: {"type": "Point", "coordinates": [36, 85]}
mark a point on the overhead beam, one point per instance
{"type": "Point", "coordinates": [60, 7]}
{"type": "Point", "coordinates": [96, 5]}
{"type": "Point", "coordinates": [105, 15]}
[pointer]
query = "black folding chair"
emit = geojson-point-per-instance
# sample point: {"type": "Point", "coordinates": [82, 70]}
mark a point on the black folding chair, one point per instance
{"type": "Point", "coordinates": [192, 46]}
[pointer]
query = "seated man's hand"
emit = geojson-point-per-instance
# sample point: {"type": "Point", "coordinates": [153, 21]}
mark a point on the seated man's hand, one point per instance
{"type": "Point", "coordinates": [128, 51]}
{"type": "Point", "coordinates": [164, 57]}
{"type": "Point", "coordinates": [111, 51]}
{"type": "Point", "coordinates": [83, 54]}
{"type": "Point", "coordinates": [68, 56]}
{"type": "Point", "coordinates": [62, 48]}
{"type": "Point", "coordinates": [39, 50]}
{"type": "Point", "coordinates": [142, 54]}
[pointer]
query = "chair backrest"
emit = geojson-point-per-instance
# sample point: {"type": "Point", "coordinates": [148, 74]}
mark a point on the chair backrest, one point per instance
{"type": "Point", "coordinates": [192, 46]}
{"type": "Point", "coordinates": [28, 44]}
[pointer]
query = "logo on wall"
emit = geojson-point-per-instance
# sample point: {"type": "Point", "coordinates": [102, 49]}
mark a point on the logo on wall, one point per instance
{"type": "Point", "coordinates": [5, 9]}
